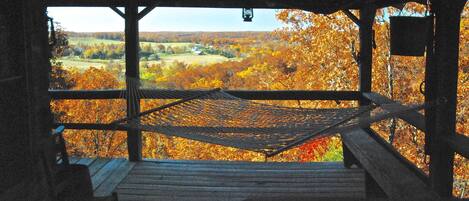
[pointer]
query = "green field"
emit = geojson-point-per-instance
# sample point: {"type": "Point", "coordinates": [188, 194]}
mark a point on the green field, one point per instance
{"type": "Point", "coordinates": [93, 41]}
{"type": "Point", "coordinates": [83, 64]}
{"type": "Point", "coordinates": [193, 59]}
{"type": "Point", "coordinates": [168, 59]}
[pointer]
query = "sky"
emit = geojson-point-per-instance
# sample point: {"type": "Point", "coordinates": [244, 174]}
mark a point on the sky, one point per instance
{"type": "Point", "coordinates": [165, 19]}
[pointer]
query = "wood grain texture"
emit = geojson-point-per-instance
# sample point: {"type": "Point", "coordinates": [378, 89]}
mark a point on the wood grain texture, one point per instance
{"type": "Point", "coordinates": [110, 183]}
{"type": "Point", "coordinates": [396, 180]}
{"type": "Point", "coordinates": [412, 117]}
{"type": "Point", "coordinates": [224, 180]}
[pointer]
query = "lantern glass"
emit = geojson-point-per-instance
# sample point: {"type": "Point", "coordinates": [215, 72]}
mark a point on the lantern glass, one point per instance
{"type": "Point", "coordinates": [248, 14]}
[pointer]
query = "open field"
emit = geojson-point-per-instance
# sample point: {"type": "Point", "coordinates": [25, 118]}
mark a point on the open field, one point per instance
{"type": "Point", "coordinates": [168, 59]}
{"type": "Point", "coordinates": [187, 58]}
{"type": "Point", "coordinates": [192, 59]}
{"type": "Point", "coordinates": [83, 64]}
{"type": "Point", "coordinates": [93, 41]}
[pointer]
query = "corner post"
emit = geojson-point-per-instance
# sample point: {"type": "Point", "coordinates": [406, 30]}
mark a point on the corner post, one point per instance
{"type": "Point", "coordinates": [442, 85]}
{"type": "Point", "coordinates": [134, 137]}
{"type": "Point", "coordinates": [367, 16]}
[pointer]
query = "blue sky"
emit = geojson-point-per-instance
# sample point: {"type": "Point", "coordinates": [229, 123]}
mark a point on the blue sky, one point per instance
{"type": "Point", "coordinates": [165, 19]}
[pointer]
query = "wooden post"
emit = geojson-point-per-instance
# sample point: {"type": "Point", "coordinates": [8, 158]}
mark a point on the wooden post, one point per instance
{"type": "Point", "coordinates": [134, 137]}
{"type": "Point", "coordinates": [442, 87]}
{"type": "Point", "coordinates": [367, 16]}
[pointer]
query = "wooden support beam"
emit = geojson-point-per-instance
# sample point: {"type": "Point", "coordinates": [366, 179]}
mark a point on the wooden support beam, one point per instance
{"type": "Point", "coordinates": [119, 12]}
{"type": "Point", "coordinates": [443, 86]}
{"type": "Point", "coordinates": [412, 117]}
{"type": "Point", "coordinates": [134, 137]}
{"type": "Point", "coordinates": [367, 16]}
{"type": "Point", "coordinates": [395, 179]}
{"type": "Point", "coordinates": [180, 94]}
{"type": "Point", "coordinates": [319, 6]}
{"type": "Point", "coordinates": [459, 143]}
{"type": "Point", "coordinates": [351, 16]}
{"type": "Point", "coordinates": [145, 11]}
{"type": "Point", "coordinates": [91, 126]}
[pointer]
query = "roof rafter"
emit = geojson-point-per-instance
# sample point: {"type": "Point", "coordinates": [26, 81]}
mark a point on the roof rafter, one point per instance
{"type": "Point", "coordinates": [317, 6]}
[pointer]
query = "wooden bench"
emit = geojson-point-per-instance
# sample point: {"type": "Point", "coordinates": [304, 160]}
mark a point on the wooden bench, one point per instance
{"type": "Point", "coordinates": [397, 181]}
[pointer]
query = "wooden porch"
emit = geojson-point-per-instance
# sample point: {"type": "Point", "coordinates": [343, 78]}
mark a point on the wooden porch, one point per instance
{"type": "Point", "coordinates": [223, 180]}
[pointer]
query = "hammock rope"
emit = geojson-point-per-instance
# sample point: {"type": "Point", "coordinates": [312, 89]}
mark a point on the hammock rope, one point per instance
{"type": "Point", "coordinates": [219, 118]}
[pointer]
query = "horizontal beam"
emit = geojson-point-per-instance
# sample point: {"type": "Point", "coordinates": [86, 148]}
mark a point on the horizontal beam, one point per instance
{"type": "Point", "coordinates": [412, 117]}
{"type": "Point", "coordinates": [91, 126]}
{"type": "Point", "coordinates": [396, 180]}
{"type": "Point", "coordinates": [10, 79]}
{"type": "Point", "coordinates": [319, 6]}
{"type": "Point", "coordinates": [180, 94]}
{"type": "Point", "coordinates": [459, 143]}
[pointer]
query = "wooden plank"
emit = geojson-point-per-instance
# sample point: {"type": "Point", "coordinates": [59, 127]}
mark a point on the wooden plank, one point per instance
{"type": "Point", "coordinates": [246, 192]}
{"type": "Point", "coordinates": [459, 143]}
{"type": "Point", "coordinates": [246, 171]}
{"type": "Point", "coordinates": [412, 117]}
{"type": "Point", "coordinates": [92, 126]}
{"type": "Point", "coordinates": [181, 94]}
{"type": "Point", "coordinates": [336, 182]}
{"type": "Point", "coordinates": [73, 160]}
{"type": "Point", "coordinates": [108, 186]}
{"type": "Point", "coordinates": [444, 89]}
{"type": "Point", "coordinates": [105, 172]}
{"type": "Point", "coordinates": [241, 197]}
{"type": "Point", "coordinates": [249, 165]}
{"type": "Point", "coordinates": [246, 189]}
{"type": "Point", "coordinates": [312, 174]}
{"type": "Point", "coordinates": [396, 180]}
{"type": "Point", "coordinates": [319, 6]}
{"type": "Point", "coordinates": [398, 155]}
{"type": "Point", "coordinates": [86, 161]}
{"type": "Point", "coordinates": [358, 180]}
{"type": "Point", "coordinates": [220, 180]}
{"type": "Point", "coordinates": [97, 165]}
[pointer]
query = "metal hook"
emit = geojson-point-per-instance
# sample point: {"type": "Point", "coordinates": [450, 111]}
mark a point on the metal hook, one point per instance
{"type": "Point", "coordinates": [421, 87]}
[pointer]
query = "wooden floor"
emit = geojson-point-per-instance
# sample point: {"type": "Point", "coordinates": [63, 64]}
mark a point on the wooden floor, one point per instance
{"type": "Point", "coordinates": [224, 181]}
{"type": "Point", "coordinates": [105, 173]}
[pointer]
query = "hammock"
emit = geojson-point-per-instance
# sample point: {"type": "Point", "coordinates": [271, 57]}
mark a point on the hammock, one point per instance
{"type": "Point", "coordinates": [219, 118]}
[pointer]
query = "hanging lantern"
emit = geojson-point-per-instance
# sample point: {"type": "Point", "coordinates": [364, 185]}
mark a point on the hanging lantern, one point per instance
{"type": "Point", "coordinates": [248, 14]}
{"type": "Point", "coordinates": [409, 35]}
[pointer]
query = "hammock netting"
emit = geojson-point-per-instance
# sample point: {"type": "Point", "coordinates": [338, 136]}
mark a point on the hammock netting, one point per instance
{"type": "Point", "coordinates": [219, 118]}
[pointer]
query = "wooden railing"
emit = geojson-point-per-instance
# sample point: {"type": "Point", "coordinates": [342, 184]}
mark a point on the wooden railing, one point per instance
{"type": "Point", "coordinates": [459, 143]}
{"type": "Point", "coordinates": [180, 94]}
